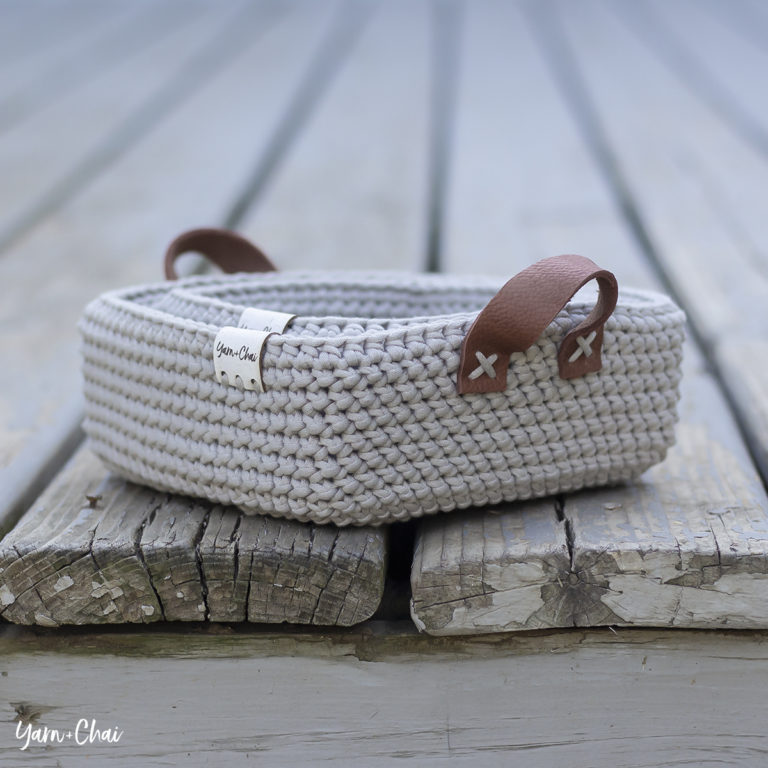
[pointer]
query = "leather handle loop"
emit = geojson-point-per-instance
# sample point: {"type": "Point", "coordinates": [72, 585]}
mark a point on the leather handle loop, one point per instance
{"type": "Point", "coordinates": [226, 249]}
{"type": "Point", "coordinates": [520, 312]}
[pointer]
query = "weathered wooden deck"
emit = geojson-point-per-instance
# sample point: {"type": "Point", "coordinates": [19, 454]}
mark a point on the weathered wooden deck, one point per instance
{"type": "Point", "coordinates": [449, 136]}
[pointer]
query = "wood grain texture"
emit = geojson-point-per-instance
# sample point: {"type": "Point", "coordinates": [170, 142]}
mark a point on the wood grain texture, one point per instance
{"type": "Point", "coordinates": [183, 173]}
{"type": "Point", "coordinates": [96, 549]}
{"type": "Point", "coordinates": [120, 84]}
{"type": "Point", "coordinates": [685, 546]}
{"type": "Point", "coordinates": [490, 571]}
{"type": "Point", "coordinates": [695, 192]}
{"type": "Point", "coordinates": [587, 699]}
{"type": "Point", "coordinates": [176, 559]}
{"type": "Point", "coordinates": [352, 191]}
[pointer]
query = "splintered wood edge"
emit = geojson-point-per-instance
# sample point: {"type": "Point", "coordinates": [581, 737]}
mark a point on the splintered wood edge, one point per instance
{"type": "Point", "coordinates": [97, 549]}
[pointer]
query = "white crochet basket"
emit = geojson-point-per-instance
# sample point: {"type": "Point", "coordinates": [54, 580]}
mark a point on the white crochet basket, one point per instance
{"type": "Point", "coordinates": [385, 396]}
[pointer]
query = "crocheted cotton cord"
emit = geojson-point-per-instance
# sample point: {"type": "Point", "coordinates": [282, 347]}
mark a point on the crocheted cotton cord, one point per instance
{"type": "Point", "coordinates": [360, 422]}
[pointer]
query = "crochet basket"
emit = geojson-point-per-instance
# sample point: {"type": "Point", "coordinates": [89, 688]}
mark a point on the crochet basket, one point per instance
{"type": "Point", "coordinates": [365, 398]}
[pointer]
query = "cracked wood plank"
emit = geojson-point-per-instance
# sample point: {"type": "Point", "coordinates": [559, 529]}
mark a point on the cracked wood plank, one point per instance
{"type": "Point", "coordinates": [642, 554]}
{"type": "Point", "coordinates": [98, 550]}
{"type": "Point", "coordinates": [483, 571]}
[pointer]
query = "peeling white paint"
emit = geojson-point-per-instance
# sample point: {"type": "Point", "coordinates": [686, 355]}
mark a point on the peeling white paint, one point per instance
{"type": "Point", "coordinates": [45, 621]}
{"type": "Point", "coordinates": [110, 588]}
{"type": "Point", "coordinates": [65, 582]}
{"type": "Point", "coordinates": [148, 610]}
{"type": "Point", "coordinates": [512, 600]}
{"type": "Point", "coordinates": [734, 600]}
{"type": "Point", "coordinates": [179, 594]}
{"type": "Point", "coordinates": [201, 607]}
{"type": "Point", "coordinates": [497, 616]}
{"type": "Point", "coordinates": [420, 625]}
{"type": "Point", "coordinates": [6, 596]}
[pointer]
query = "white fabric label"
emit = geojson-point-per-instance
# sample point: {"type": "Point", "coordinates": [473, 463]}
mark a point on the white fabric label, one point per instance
{"type": "Point", "coordinates": [264, 320]}
{"type": "Point", "coordinates": [237, 352]}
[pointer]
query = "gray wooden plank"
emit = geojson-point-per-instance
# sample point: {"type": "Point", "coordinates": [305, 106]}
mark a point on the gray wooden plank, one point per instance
{"type": "Point", "coordinates": [696, 558]}
{"type": "Point", "coordinates": [686, 546]}
{"type": "Point", "coordinates": [94, 549]}
{"type": "Point", "coordinates": [114, 232]}
{"type": "Point", "coordinates": [491, 571]}
{"type": "Point", "coordinates": [145, 556]}
{"type": "Point", "coordinates": [582, 698]}
{"type": "Point", "coordinates": [695, 191]}
{"type": "Point", "coordinates": [522, 187]}
{"type": "Point", "coordinates": [543, 209]}
{"type": "Point", "coordinates": [42, 168]}
{"type": "Point", "coordinates": [722, 67]}
{"type": "Point", "coordinates": [522, 184]}
{"type": "Point", "coordinates": [34, 34]}
{"type": "Point", "coordinates": [719, 532]}
{"type": "Point", "coordinates": [92, 49]}
{"type": "Point", "coordinates": [357, 177]}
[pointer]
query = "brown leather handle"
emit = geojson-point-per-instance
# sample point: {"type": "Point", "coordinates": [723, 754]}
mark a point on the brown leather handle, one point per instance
{"type": "Point", "coordinates": [520, 312]}
{"type": "Point", "coordinates": [226, 249]}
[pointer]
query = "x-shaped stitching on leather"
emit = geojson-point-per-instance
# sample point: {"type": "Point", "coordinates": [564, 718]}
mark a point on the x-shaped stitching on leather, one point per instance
{"type": "Point", "coordinates": [585, 346]}
{"type": "Point", "coordinates": [486, 365]}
